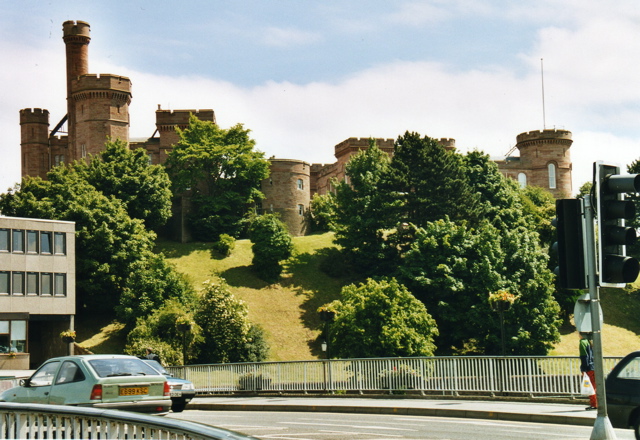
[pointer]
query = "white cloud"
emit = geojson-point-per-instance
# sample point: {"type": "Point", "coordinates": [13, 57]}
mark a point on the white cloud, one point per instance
{"type": "Point", "coordinates": [287, 37]}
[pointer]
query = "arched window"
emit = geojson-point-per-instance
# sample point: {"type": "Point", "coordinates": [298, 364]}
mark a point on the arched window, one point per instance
{"type": "Point", "coordinates": [522, 180]}
{"type": "Point", "coordinates": [552, 175]}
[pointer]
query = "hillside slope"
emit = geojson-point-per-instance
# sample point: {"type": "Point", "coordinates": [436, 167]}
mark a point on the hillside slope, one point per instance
{"type": "Point", "coordinates": [287, 311]}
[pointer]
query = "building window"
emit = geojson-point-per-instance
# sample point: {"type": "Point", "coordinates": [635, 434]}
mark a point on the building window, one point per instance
{"type": "Point", "coordinates": [522, 180]}
{"type": "Point", "coordinates": [552, 175]}
{"type": "Point", "coordinates": [83, 151]}
{"type": "Point", "coordinates": [13, 336]}
{"type": "Point", "coordinates": [45, 243]}
{"type": "Point", "coordinates": [32, 242]}
{"type": "Point", "coordinates": [32, 283]}
{"type": "Point", "coordinates": [60, 284]}
{"type": "Point", "coordinates": [4, 283]}
{"type": "Point", "coordinates": [60, 244]}
{"type": "Point", "coordinates": [300, 184]}
{"type": "Point", "coordinates": [271, 207]}
{"type": "Point", "coordinates": [150, 158]}
{"type": "Point", "coordinates": [300, 209]}
{"type": "Point", "coordinates": [4, 240]}
{"type": "Point", "coordinates": [17, 283]}
{"type": "Point", "coordinates": [17, 242]}
{"type": "Point", "coordinates": [46, 284]}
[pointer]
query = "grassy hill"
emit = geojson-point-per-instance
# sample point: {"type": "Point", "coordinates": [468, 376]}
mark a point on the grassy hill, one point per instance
{"type": "Point", "coordinates": [287, 311]}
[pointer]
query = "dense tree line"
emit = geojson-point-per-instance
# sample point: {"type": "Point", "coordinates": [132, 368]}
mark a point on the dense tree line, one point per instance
{"type": "Point", "coordinates": [452, 230]}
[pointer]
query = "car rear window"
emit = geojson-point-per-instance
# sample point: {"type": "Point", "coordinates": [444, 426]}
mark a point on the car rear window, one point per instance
{"type": "Point", "coordinates": [121, 367]}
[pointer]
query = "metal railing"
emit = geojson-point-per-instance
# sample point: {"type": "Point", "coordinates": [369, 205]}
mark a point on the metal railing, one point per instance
{"type": "Point", "coordinates": [522, 375]}
{"type": "Point", "coordinates": [21, 421]}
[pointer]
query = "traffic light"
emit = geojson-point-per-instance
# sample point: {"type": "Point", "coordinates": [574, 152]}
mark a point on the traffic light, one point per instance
{"type": "Point", "coordinates": [615, 267]}
{"type": "Point", "coordinates": [570, 244]}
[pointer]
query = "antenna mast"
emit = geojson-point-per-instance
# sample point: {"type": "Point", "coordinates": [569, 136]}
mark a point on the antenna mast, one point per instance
{"type": "Point", "coordinates": [544, 118]}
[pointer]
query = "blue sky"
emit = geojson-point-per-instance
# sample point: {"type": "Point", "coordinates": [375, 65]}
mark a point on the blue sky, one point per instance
{"type": "Point", "coordinates": [303, 76]}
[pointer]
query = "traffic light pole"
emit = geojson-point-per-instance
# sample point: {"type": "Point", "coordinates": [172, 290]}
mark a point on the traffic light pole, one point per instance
{"type": "Point", "coordinates": [602, 429]}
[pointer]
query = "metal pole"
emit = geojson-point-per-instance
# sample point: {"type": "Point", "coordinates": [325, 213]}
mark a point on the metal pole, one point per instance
{"type": "Point", "coordinates": [602, 429]}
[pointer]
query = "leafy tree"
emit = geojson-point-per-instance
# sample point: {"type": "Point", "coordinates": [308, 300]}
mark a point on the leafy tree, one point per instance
{"type": "Point", "coordinates": [152, 281]}
{"type": "Point", "coordinates": [322, 212]}
{"type": "Point", "coordinates": [634, 249]}
{"type": "Point", "coordinates": [227, 333]}
{"type": "Point", "coordinates": [127, 175]}
{"type": "Point", "coordinates": [587, 187]}
{"type": "Point", "coordinates": [159, 330]}
{"type": "Point", "coordinates": [271, 245]}
{"type": "Point", "coordinates": [108, 241]}
{"type": "Point", "coordinates": [380, 319]}
{"type": "Point", "coordinates": [433, 181]}
{"type": "Point", "coordinates": [452, 269]}
{"type": "Point", "coordinates": [363, 209]}
{"type": "Point", "coordinates": [223, 172]}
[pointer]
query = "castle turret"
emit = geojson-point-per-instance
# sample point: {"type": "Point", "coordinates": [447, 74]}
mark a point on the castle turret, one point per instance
{"type": "Point", "coordinates": [544, 161]}
{"type": "Point", "coordinates": [75, 35]}
{"type": "Point", "coordinates": [34, 141]}
{"type": "Point", "coordinates": [286, 191]}
{"type": "Point", "coordinates": [166, 123]}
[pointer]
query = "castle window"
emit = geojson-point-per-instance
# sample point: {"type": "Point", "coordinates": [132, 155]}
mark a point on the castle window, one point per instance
{"type": "Point", "coordinates": [271, 207]}
{"type": "Point", "coordinates": [522, 180]}
{"type": "Point", "coordinates": [552, 175]}
{"type": "Point", "coordinates": [300, 209]}
{"type": "Point", "coordinates": [84, 151]}
{"type": "Point", "coordinates": [300, 184]}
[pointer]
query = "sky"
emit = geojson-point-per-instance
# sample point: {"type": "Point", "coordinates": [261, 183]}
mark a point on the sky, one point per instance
{"type": "Point", "coordinates": [305, 75]}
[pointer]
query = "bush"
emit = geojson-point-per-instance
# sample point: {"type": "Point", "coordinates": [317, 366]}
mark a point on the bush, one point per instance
{"type": "Point", "coordinates": [271, 245]}
{"type": "Point", "coordinates": [253, 381]}
{"type": "Point", "coordinates": [400, 377]}
{"type": "Point", "coordinates": [225, 244]}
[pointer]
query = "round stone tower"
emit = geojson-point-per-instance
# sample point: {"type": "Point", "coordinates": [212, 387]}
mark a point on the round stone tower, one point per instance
{"type": "Point", "coordinates": [545, 160]}
{"type": "Point", "coordinates": [34, 141]}
{"type": "Point", "coordinates": [287, 192]}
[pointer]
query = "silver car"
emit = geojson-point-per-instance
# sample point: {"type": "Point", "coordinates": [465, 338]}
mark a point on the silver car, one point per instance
{"type": "Point", "coordinates": [101, 381]}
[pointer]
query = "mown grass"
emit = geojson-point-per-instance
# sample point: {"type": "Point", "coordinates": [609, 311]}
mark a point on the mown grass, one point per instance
{"type": "Point", "coordinates": [287, 311]}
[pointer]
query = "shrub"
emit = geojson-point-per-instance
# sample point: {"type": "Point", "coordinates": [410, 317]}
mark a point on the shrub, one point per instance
{"type": "Point", "coordinates": [225, 244]}
{"type": "Point", "coordinates": [254, 381]}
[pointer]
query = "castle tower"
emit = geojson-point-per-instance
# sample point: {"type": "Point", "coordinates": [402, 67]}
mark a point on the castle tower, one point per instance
{"type": "Point", "coordinates": [544, 161]}
{"type": "Point", "coordinates": [34, 141]}
{"type": "Point", "coordinates": [166, 123]}
{"type": "Point", "coordinates": [287, 192]}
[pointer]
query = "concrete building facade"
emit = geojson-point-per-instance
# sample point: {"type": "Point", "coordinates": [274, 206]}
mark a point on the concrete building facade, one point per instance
{"type": "Point", "coordinates": [37, 289]}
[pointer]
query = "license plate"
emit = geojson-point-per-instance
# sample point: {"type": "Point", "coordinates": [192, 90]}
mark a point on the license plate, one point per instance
{"type": "Point", "coordinates": [175, 394]}
{"type": "Point", "coordinates": [133, 391]}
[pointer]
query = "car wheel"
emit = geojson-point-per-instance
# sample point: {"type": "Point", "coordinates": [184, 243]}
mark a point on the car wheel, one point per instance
{"type": "Point", "coordinates": [179, 407]}
{"type": "Point", "coordinates": [636, 428]}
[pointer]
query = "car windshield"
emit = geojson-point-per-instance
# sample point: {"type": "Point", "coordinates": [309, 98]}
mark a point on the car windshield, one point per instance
{"type": "Point", "coordinates": [121, 367]}
{"type": "Point", "coordinates": [156, 366]}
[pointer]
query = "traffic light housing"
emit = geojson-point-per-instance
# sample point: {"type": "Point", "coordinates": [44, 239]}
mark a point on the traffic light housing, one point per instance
{"type": "Point", "coordinates": [570, 245]}
{"type": "Point", "coordinates": [616, 269]}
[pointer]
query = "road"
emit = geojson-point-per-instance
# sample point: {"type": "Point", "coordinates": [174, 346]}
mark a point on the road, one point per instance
{"type": "Point", "coordinates": [340, 426]}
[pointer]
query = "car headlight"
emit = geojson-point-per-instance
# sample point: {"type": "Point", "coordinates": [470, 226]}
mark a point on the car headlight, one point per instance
{"type": "Point", "coordinates": [188, 386]}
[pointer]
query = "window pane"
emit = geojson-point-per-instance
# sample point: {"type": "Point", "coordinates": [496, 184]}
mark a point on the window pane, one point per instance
{"type": "Point", "coordinates": [4, 326]}
{"type": "Point", "coordinates": [32, 242]}
{"type": "Point", "coordinates": [18, 240]}
{"type": "Point", "coordinates": [552, 176]}
{"type": "Point", "coordinates": [60, 244]}
{"type": "Point", "coordinates": [45, 242]}
{"type": "Point", "coordinates": [46, 283]}
{"type": "Point", "coordinates": [19, 336]}
{"type": "Point", "coordinates": [4, 283]}
{"type": "Point", "coordinates": [61, 285]}
{"type": "Point", "coordinates": [4, 240]}
{"type": "Point", "coordinates": [32, 283]}
{"type": "Point", "coordinates": [18, 283]}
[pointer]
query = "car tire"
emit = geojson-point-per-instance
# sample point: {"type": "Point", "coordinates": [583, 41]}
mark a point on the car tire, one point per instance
{"type": "Point", "coordinates": [636, 427]}
{"type": "Point", "coordinates": [178, 406]}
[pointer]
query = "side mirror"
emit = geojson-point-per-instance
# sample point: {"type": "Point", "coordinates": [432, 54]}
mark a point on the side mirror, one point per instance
{"type": "Point", "coordinates": [25, 382]}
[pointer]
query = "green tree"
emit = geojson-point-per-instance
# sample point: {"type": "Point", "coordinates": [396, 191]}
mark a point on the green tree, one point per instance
{"type": "Point", "coordinates": [433, 181]}
{"type": "Point", "coordinates": [380, 319]}
{"type": "Point", "coordinates": [108, 241]}
{"type": "Point", "coordinates": [453, 268]}
{"type": "Point", "coordinates": [144, 189]}
{"type": "Point", "coordinates": [634, 249]}
{"type": "Point", "coordinates": [160, 330]}
{"type": "Point", "coordinates": [271, 245]}
{"type": "Point", "coordinates": [363, 210]}
{"type": "Point", "coordinates": [223, 172]}
{"type": "Point", "coordinates": [227, 333]}
{"type": "Point", "coordinates": [322, 212]}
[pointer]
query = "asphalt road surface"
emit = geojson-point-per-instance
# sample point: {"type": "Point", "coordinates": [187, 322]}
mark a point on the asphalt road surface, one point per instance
{"type": "Point", "coordinates": [339, 426]}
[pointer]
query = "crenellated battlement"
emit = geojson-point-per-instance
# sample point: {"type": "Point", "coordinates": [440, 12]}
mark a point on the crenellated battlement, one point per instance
{"type": "Point", "coordinates": [353, 143]}
{"type": "Point", "coordinates": [181, 117]}
{"type": "Point", "coordinates": [543, 134]}
{"type": "Point", "coordinates": [448, 143]}
{"type": "Point", "coordinates": [102, 81]}
{"type": "Point", "coordinates": [71, 29]}
{"type": "Point", "coordinates": [34, 116]}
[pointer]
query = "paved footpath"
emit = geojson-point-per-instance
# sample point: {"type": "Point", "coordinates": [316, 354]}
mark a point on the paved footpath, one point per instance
{"type": "Point", "coordinates": [560, 413]}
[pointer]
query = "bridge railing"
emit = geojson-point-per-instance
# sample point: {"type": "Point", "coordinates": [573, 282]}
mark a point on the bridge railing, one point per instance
{"type": "Point", "coordinates": [522, 375]}
{"type": "Point", "coordinates": [23, 421]}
